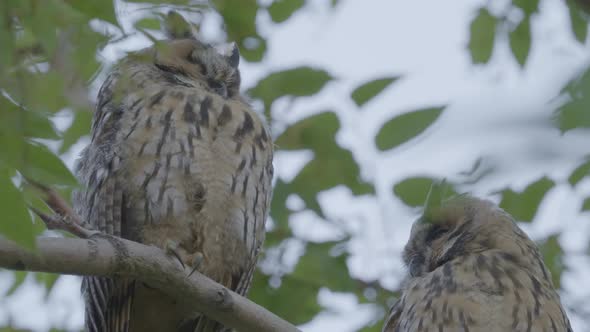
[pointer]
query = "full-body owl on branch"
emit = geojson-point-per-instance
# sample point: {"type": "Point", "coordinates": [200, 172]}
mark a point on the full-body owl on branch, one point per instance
{"type": "Point", "coordinates": [472, 269]}
{"type": "Point", "coordinates": [180, 161]}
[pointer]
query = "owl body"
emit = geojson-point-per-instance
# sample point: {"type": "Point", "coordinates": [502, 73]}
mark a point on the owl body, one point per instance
{"type": "Point", "coordinates": [176, 156]}
{"type": "Point", "coordinates": [473, 269]}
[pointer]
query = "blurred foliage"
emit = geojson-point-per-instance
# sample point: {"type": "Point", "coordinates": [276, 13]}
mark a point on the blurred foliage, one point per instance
{"type": "Point", "coordinates": [574, 114]}
{"type": "Point", "coordinates": [553, 257]}
{"type": "Point", "coordinates": [49, 58]}
{"type": "Point", "coordinates": [364, 93]}
{"type": "Point", "coordinates": [297, 82]}
{"type": "Point", "coordinates": [482, 36]}
{"type": "Point", "coordinates": [406, 126]}
{"type": "Point", "coordinates": [523, 206]}
{"type": "Point", "coordinates": [415, 191]}
{"type": "Point", "coordinates": [331, 166]}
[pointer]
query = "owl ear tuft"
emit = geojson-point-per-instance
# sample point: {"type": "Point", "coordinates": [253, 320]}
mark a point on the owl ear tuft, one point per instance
{"type": "Point", "coordinates": [234, 57]}
{"type": "Point", "coordinates": [230, 52]}
{"type": "Point", "coordinates": [176, 27]}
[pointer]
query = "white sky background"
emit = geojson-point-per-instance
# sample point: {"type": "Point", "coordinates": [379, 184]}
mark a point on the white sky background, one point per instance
{"type": "Point", "coordinates": [497, 111]}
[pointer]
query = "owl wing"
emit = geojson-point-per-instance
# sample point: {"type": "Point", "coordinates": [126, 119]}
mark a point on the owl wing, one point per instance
{"type": "Point", "coordinates": [482, 293]}
{"type": "Point", "coordinates": [393, 316]}
{"type": "Point", "coordinates": [108, 300]}
{"type": "Point", "coordinates": [257, 171]}
{"type": "Point", "coordinates": [102, 204]}
{"type": "Point", "coordinates": [258, 202]}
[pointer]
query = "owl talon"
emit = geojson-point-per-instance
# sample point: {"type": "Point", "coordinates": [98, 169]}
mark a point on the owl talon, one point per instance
{"type": "Point", "coordinates": [196, 262]}
{"type": "Point", "coordinates": [172, 249]}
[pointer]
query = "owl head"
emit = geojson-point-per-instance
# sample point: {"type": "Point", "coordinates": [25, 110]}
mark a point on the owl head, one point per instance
{"type": "Point", "coordinates": [464, 226]}
{"type": "Point", "coordinates": [192, 61]}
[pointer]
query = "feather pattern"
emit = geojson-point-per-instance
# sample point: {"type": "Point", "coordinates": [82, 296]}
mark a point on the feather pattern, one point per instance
{"type": "Point", "coordinates": [471, 268]}
{"type": "Point", "coordinates": [175, 157]}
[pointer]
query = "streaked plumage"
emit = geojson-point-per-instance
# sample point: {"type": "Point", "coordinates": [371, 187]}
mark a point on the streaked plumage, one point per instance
{"type": "Point", "coordinates": [176, 155]}
{"type": "Point", "coordinates": [472, 269]}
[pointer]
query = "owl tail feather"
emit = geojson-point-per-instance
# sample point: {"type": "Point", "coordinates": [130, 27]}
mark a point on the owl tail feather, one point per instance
{"type": "Point", "coordinates": [204, 324]}
{"type": "Point", "coordinates": [110, 308]}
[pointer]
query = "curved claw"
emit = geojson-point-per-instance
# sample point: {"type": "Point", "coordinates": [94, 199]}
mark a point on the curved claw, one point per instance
{"type": "Point", "coordinates": [172, 249]}
{"type": "Point", "coordinates": [196, 262]}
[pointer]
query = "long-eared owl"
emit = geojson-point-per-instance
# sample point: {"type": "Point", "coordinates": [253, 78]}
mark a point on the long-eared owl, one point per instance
{"type": "Point", "coordinates": [178, 160]}
{"type": "Point", "coordinates": [471, 268]}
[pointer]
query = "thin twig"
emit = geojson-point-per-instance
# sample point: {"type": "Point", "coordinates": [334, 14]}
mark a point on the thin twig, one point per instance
{"type": "Point", "coordinates": [57, 222]}
{"type": "Point", "coordinates": [65, 218]}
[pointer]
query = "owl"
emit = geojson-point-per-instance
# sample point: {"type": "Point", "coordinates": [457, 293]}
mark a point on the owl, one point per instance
{"type": "Point", "coordinates": [178, 160]}
{"type": "Point", "coordinates": [471, 268]}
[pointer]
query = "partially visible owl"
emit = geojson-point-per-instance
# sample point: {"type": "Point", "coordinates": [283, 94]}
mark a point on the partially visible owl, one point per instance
{"type": "Point", "coordinates": [180, 161]}
{"type": "Point", "coordinates": [472, 269]}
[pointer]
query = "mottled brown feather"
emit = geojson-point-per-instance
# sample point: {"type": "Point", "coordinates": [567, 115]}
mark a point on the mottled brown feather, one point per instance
{"type": "Point", "coordinates": [164, 164]}
{"type": "Point", "coordinates": [471, 268]}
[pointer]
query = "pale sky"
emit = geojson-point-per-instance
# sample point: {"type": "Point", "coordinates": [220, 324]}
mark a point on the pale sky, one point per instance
{"type": "Point", "coordinates": [494, 111]}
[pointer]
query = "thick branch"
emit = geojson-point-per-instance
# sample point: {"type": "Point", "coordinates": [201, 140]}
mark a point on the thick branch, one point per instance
{"type": "Point", "coordinates": [109, 256]}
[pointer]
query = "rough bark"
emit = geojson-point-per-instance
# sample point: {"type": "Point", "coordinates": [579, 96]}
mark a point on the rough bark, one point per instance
{"type": "Point", "coordinates": [103, 255]}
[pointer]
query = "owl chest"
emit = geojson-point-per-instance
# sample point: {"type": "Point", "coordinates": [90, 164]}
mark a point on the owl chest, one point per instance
{"type": "Point", "coordinates": [168, 158]}
{"type": "Point", "coordinates": [189, 158]}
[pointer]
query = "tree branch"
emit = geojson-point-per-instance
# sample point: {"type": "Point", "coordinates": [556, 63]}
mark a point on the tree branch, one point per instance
{"type": "Point", "coordinates": [109, 256]}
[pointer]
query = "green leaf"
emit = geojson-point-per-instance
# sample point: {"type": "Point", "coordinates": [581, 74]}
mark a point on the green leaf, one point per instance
{"type": "Point", "coordinates": [414, 191]}
{"type": "Point", "coordinates": [578, 21]}
{"type": "Point", "coordinates": [7, 41]}
{"type": "Point", "coordinates": [332, 164]}
{"type": "Point", "coordinates": [239, 16]}
{"type": "Point", "coordinates": [297, 82]}
{"type": "Point", "coordinates": [579, 173]}
{"type": "Point", "coordinates": [104, 10]}
{"type": "Point", "coordinates": [39, 92]}
{"type": "Point", "coordinates": [84, 58]}
{"type": "Point", "coordinates": [574, 114]}
{"type": "Point", "coordinates": [553, 258]}
{"type": "Point", "coordinates": [79, 127]}
{"type": "Point", "coordinates": [16, 223]}
{"type": "Point", "coordinates": [528, 6]}
{"type": "Point", "coordinates": [586, 204]}
{"type": "Point", "coordinates": [240, 22]}
{"type": "Point", "coordinates": [253, 48]}
{"type": "Point", "coordinates": [310, 133]}
{"type": "Point", "coordinates": [482, 34]}
{"type": "Point", "coordinates": [17, 122]}
{"type": "Point", "coordinates": [281, 10]}
{"type": "Point", "coordinates": [19, 279]}
{"type": "Point", "coordinates": [35, 161]}
{"type": "Point", "coordinates": [273, 298]}
{"type": "Point", "coordinates": [406, 126]}
{"type": "Point", "coordinates": [523, 206]}
{"type": "Point", "coordinates": [320, 266]}
{"type": "Point", "coordinates": [46, 279]}
{"type": "Point", "coordinates": [438, 192]}
{"type": "Point", "coordinates": [149, 23]}
{"type": "Point", "coordinates": [280, 215]}
{"type": "Point", "coordinates": [44, 166]}
{"type": "Point", "coordinates": [368, 90]}
{"type": "Point", "coordinates": [520, 41]}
